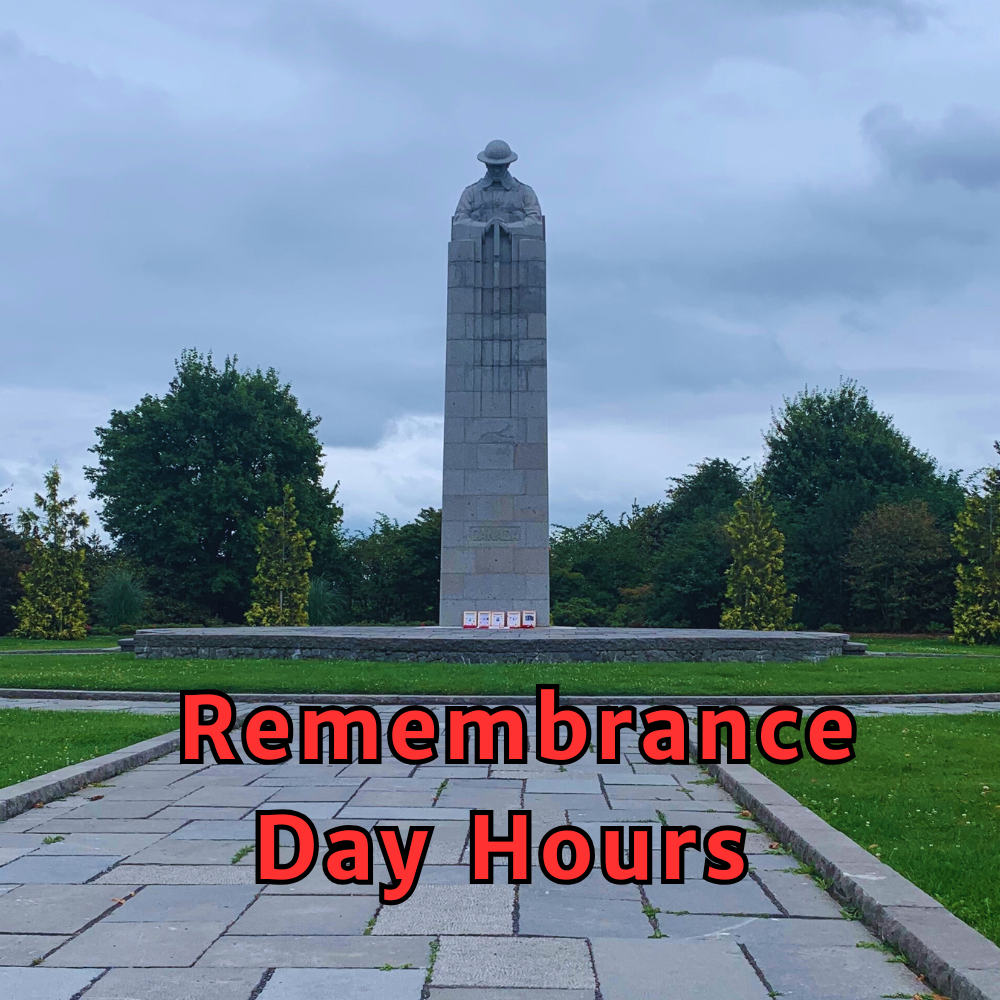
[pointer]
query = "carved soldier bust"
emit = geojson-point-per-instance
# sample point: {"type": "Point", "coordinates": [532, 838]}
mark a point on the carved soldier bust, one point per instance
{"type": "Point", "coordinates": [498, 195]}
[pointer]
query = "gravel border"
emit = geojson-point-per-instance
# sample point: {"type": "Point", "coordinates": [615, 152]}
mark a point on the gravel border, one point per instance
{"type": "Point", "coordinates": [334, 698]}
{"type": "Point", "coordinates": [24, 795]}
{"type": "Point", "coordinates": [956, 960]}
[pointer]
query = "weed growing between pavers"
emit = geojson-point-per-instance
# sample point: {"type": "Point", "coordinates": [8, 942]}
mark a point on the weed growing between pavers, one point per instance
{"type": "Point", "coordinates": [923, 795]}
{"type": "Point", "coordinates": [33, 742]}
{"type": "Point", "coordinates": [432, 958]}
{"type": "Point", "coordinates": [838, 675]}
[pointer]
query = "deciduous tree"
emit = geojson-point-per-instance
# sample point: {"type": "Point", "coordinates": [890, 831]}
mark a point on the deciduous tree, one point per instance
{"type": "Point", "coordinates": [186, 478]}
{"type": "Point", "coordinates": [832, 456]}
{"type": "Point", "coordinates": [899, 567]}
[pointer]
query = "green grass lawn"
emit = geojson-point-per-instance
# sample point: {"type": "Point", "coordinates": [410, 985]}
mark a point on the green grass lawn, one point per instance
{"type": "Point", "coordinates": [924, 795]}
{"type": "Point", "coordinates": [33, 742]}
{"type": "Point", "coordinates": [91, 642]}
{"type": "Point", "coordinates": [908, 644]}
{"type": "Point", "coordinates": [836, 676]}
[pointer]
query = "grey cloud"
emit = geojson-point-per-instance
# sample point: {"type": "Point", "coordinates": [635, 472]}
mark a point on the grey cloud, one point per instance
{"type": "Point", "coordinates": [964, 146]}
{"type": "Point", "coordinates": [309, 232]}
{"type": "Point", "coordinates": [909, 14]}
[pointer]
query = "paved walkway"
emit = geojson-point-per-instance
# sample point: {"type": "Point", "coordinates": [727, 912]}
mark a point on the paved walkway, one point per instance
{"type": "Point", "coordinates": [137, 891]}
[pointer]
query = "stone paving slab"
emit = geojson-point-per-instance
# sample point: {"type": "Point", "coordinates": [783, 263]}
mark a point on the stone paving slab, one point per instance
{"type": "Point", "coordinates": [184, 903]}
{"type": "Point", "coordinates": [320, 951]}
{"type": "Point", "coordinates": [27, 949]}
{"type": "Point", "coordinates": [142, 891]}
{"type": "Point", "coordinates": [451, 909]}
{"type": "Point", "coordinates": [176, 984]}
{"type": "Point", "coordinates": [66, 869]}
{"type": "Point", "coordinates": [451, 993]}
{"type": "Point", "coordinates": [45, 984]}
{"type": "Point", "coordinates": [821, 972]}
{"type": "Point", "coordinates": [139, 944]}
{"type": "Point", "coordinates": [178, 875]}
{"type": "Point", "coordinates": [704, 970]}
{"type": "Point", "coordinates": [555, 963]}
{"type": "Point", "coordinates": [364, 984]}
{"type": "Point", "coordinates": [307, 915]}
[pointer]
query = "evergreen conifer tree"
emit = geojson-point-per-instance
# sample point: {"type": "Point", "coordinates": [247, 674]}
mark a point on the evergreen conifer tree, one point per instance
{"type": "Point", "coordinates": [54, 585]}
{"type": "Point", "coordinates": [756, 594]}
{"type": "Point", "coordinates": [976, 611]}
{"type": "Point", "coordinates": [280, 588]}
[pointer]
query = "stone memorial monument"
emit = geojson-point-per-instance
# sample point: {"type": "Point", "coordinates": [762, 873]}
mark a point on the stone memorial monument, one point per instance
{"type": "Point", "coordinates": [495, 504]}
{"type": "Point", "coordinates": [495, 519]}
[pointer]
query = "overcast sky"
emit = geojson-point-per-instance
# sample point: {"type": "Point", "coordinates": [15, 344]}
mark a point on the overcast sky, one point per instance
{"type": "Point", "coordinates": [742, 197]}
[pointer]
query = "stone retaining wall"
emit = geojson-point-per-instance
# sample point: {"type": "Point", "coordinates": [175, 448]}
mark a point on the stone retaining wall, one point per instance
{"type": "Point", "coordinates": [456, 645]}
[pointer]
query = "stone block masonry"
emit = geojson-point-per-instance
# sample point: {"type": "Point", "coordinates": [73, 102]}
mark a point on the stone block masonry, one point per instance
{"type": "Point", "coordinates": [458, 645]}
{"type": "Point", "coordinates": [495, 504]}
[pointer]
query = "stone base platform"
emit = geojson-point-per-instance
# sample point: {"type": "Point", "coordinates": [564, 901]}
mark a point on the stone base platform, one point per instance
{"type": "Point", "coordinates": [456, 645]}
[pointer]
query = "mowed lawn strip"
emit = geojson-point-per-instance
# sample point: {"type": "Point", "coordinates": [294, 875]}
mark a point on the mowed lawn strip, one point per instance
{"type": "Point", "coordinates": [923, 794]}
{"type": "Point", "coordinates": [923, 644]}
{"type": "Point", "coordinates": [33, 741]}
{"type": "Point", "coordinates": [833, 677]}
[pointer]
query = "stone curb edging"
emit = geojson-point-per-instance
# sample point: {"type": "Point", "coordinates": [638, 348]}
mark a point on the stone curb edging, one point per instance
{"type": "Point", "coordinates": [17, 798]}
{"type": "Point", "coordinates": [955, 959]}
{"type": "Point", "coordinates": [335, 698]}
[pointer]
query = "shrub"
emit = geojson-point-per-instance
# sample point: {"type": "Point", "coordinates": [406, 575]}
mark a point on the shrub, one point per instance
{"type": "Point", "coordinates": [977, 538]}
{"type": "Point", "coordinates": [120, 599]}
{"type": "Point", "coordinates": [755, 582]}
{"type": "Point", "coordinates": [54, 585]}
{"type": "Point", "coordinates": [579, 611]}
{"type": "Point", "coordinates": [325, 604]}
{"type": "Point", "coordinates": [281, 585]}
{"type": "Point", "coordinates": [900, 566]}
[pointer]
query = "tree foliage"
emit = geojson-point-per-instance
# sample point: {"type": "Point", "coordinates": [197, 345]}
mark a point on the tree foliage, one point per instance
{"type": "Point", "coordinates": [689, 566]}
{"type": "Point", "coordinates": [13, 562]}
{"type": "Point", "coordinates": [281, 583]}
{"type": "Point", "coordinates": [830, 458]}
{"type": "Point", "coordinates": [599, 569]}
{"type": "Point", "coordinates": [900, 568]}
{"type": "Point", "coordinates": [977, 539]}
{"type": "Point", "coordinates": [392, 573]}
{"type": "Point", "coordinates": [185, 479]}
{"type": "Point", "coordinates": [54, 586]}
{"type": "Point", "coordinates": [663, 564]}
{"type": "Point", "coordinates": [756, 595]}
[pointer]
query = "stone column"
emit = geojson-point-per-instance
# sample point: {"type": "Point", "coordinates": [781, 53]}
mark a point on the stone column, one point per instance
{"type": "Point", "coordinates": [495, 507]}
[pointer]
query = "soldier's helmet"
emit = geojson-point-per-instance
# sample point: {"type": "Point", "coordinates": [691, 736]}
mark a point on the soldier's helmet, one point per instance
{"type": "Point", "coordinates": [497, 152]}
